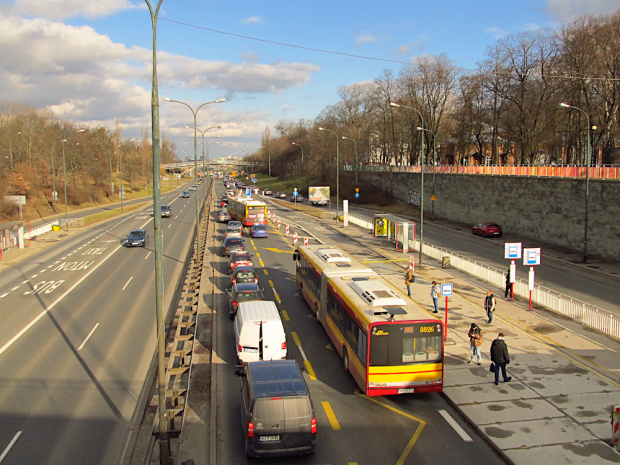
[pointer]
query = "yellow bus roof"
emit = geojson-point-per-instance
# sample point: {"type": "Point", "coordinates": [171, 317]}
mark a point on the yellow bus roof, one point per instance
{"type": "Point", "coordinates": [331, 261]}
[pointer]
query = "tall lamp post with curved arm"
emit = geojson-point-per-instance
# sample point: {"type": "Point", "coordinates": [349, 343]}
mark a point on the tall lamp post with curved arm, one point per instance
{"type": "Point", "coordinates": [64, 176]}
{"type": "Point", "coordinates": [421, 179]}
{"type": "Point", "coordinates": [585, 221]}
{"type": "Point", "coordinates": [337, 173]}
{"type": "Point", "coordinates": [434, 165]}
{"type": "Point", "coordinates": [195, 112]}
{"type": "Point", "coordinates": [302, 156]}
{"type": "Point", "coordinates": [356, 163]}
{"type": "Point", "coordinates": [204, 148]}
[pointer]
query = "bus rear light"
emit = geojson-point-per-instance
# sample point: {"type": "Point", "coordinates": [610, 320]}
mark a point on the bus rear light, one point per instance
{"type": "Point", "coordinates": [313, 425]}
{"type": "Point", "coordinates": [250, 430]}
{"type": "Point", "coordinates": [284, 346]}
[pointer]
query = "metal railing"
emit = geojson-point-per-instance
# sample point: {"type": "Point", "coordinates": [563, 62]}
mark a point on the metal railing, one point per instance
{"type": "Point", "coordinates": [582, 312]}
{"type": "Point", "coordinates": [562, 171]}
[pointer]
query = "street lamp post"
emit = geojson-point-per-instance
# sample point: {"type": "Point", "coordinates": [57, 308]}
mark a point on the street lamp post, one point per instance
{"type": "Point", "coordinates": [434, 164]}
{"type": "Point", "coordinates": [585, 229]}
{"type": "Point", "coordinates": [64, 175]}
{"type": "Point", "coordinates": [423, 165]}
{"type": "Point", "coordinates": [195, 112]}
{"type": "Point", "coordinates": [337, 173]}
{"type": "Point", "coordinates": [204, 148]}
{"type": "Point", "coordinates": [11, 149]}
{"type": "Point", "coordinates": [302, 155]}
{"type": "Point", "coordinates": [356, 163]}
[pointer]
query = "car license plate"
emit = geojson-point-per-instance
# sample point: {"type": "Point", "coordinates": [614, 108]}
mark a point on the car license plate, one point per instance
{"type": "Point", "coordinates": [269, 438]}
{"type": "Point", "coordinates": [406, 391]}
{"type": "Point", "coordinates": [250, 350]}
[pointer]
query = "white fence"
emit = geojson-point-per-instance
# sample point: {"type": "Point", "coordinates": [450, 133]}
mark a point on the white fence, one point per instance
{"type": "Point", "coordinates": [582, 312]}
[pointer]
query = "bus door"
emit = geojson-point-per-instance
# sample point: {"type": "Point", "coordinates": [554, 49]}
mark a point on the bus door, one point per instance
{"type": "Point", "coordinates": [323, 300]}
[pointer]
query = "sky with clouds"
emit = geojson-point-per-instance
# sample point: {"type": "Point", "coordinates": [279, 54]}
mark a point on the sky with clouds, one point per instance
{"type": "Point", "coordinates": [90, 61]}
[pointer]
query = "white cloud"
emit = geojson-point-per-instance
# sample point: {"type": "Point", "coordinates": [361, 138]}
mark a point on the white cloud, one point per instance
{"type": "Point", "coordinates": [565, 10]}
{"type": "Point", "coordinates": [252, 20]}
{"type": "Point", "coordinates": [62, 9]}
{"type": "Point", "coordinates": [365, 39]}
{"type": "Point", "coordinates": [496, 32]}
{"type": "Point", "coordinates": [87, 78]}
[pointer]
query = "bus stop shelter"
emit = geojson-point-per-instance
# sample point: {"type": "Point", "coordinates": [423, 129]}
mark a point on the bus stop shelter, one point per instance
{"type": "Point", "coordinates": [395, 229]}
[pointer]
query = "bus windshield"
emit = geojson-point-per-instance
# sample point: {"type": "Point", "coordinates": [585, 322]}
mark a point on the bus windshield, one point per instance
{"type": "Point", "coordinates": [405, 343]}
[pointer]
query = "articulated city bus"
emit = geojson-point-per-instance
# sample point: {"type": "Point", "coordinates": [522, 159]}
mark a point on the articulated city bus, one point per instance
{"type": "Point", "coordinates": [388, 343]}
{"type": "Point", "coordinates": [247, 210]}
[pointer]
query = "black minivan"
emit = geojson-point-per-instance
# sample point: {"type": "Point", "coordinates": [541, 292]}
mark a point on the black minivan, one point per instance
{"type": "Point", "coordinates": [276, 410]}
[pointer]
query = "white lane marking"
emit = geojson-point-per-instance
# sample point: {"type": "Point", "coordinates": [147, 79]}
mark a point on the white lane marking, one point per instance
{"type": "Point", "coordinates": [148, 255]}
{"type": "Point", "coordinates": [34, 276]}
{"type": "Point", "coordinates": [88, 337]}
{"type": "Point", "coordinates": [46, 311]}
{"type": "Point", "coordinates": [452, 422]}
{"type": "Point", "coordinates": [4, 295]}
{"type": "Point", "coordinates": [11, 444]}
{"type": "Point", "coordinates": [127, 284]}
{"type": "Point", "coordinates": [15, 288]}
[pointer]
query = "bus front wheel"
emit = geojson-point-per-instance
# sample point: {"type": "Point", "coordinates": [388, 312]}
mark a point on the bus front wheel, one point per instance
{"type": "Point", "coordinates": [345, 360]}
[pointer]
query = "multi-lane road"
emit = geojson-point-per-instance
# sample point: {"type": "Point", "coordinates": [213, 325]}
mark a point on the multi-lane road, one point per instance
{"type": "Point", "coordinates": [78, 342]}
{"type": "Point", "coordinates": [78, 339]}
{"type": "Point", "coordinates": [353, 428]}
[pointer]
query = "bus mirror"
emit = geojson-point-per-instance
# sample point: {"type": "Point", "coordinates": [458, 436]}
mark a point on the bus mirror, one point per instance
{"type": "Point", "coordinates": [295, 255]}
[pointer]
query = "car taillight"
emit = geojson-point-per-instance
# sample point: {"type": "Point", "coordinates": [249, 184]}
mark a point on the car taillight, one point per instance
{"type": "Point", "coordinates": [312, 426]}
{"type": "Point", "coordinates": [251, 430]}
{"type": "Point", "coordinates": [234, 304]}
{"type": "Point", "coordinates": [284, 346]}
{"type": "Point", "coordinates": [239, 348]}
{"type": "Point", "coordinates": [256, 280]}
{"type": "Point", "coordinates": [234, 281]}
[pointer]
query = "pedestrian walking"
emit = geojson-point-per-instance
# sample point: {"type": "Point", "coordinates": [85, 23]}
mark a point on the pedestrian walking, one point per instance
{"type": "Point", "coordinates": [500, 357]}
{"type": "Point", "coordinates": [507, 292]}
{"type": "Point", "coordinates": [489, 305]}
{"type": "Point", "coordinates": [435, 293]}
{"type": "Point", "coordinates": [409, 280]}
{"type": "Point", "coordinates": [475, 341]}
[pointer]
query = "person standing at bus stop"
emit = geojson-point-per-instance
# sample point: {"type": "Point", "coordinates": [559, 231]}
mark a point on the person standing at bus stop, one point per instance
{"type": "Point", "coordinates": [475, 341]}
{"type": "Point", "coordinates": [435, 293]}
{"type": "Point", "coordinates": [409, 280]}
{"type": "Point", "coordinates": [500, 357]}
{"type": "Point", "coordinates": [489, 305]}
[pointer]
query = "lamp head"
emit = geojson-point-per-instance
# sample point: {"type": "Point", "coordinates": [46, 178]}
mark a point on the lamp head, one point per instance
{"type": "Point", "coordinates": [565, 105]}
{"type": "Point", "coordinates": [394, 104]}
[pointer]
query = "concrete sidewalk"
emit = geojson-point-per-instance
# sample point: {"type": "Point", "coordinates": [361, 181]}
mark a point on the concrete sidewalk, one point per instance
{"type": "Point", "coordinates": [565, 377]}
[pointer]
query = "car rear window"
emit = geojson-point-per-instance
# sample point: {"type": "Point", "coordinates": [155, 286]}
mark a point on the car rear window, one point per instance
{"type": "Point", "coordinates": [273, 409]}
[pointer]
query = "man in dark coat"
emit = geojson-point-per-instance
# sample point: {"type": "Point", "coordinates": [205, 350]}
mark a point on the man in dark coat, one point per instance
{"type": "Point", "coordinates": [501, 358]}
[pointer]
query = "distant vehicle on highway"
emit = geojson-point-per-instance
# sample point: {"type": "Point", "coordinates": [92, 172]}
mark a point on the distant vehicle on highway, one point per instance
{"type": "Point", "coordinates": [487, 230]}
{"type": "Point", "coordinates": [137, 238]}
{"type": "Point", "coordinates": [192, 187]}
{"type": "Point", "coordinates": [233, 230]}
{"type": "Point", "coordinates": [166, 211]}
{"type": "Point", "coordinates": [185, 194]}
{"type": "Point", "coordinates": [297, 198]}
{"type": "Point", "coordinates": [267, 192]}
{"type": "Point", "coordinates": [280, 195]}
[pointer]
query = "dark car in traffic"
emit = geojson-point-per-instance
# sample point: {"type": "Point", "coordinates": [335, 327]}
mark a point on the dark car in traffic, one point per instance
{"type": "Point", "coordinates": [230, 244]}
{"type": "Point", "coordinates": [137, 238]}
{"type": "Point", "coordinates": [244, 274]}
{"type": "Point", "coordinates": [487, 230]}
{"type": "Point", "coordinates": [243, 293]}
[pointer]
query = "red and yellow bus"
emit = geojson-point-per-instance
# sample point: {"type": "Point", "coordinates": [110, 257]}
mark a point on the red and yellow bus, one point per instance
{"type": "Point", "coordinates": [247, 210]}
{"type": "Point", "coordinates": [387, 342]}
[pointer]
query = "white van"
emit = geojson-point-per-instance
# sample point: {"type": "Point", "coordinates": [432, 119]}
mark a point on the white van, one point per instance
{"type": "Point", "coordinates": [259, 333]}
